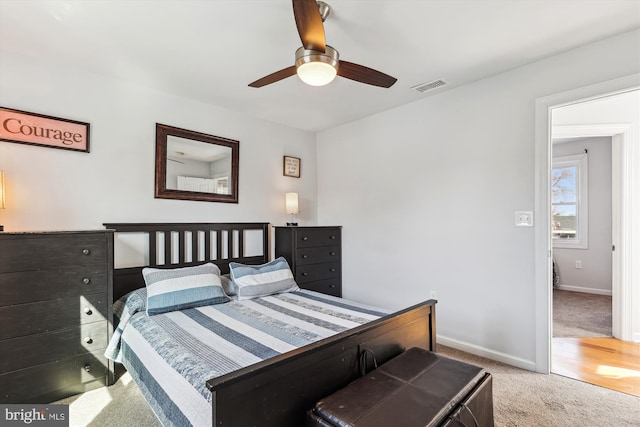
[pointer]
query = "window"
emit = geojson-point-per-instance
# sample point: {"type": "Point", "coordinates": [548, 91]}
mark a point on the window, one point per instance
{"type": "Point", "coordinates": [569, 202]}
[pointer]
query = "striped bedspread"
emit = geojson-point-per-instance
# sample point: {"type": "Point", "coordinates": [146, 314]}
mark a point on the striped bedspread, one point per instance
{"type": "Point", "coordinates": [172, 355]}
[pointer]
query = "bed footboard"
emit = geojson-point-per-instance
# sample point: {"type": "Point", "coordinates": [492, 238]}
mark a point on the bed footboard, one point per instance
{"type": "Point", "coordinates": [279, 391]}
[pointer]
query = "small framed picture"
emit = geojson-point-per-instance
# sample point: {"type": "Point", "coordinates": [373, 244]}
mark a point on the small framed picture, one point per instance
{"type": "Point", "coordinates": [291, 167]}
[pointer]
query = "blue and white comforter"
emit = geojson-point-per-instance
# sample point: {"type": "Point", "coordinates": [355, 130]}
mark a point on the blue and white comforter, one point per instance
{"type": "Point", "coordinates": [172, 355]}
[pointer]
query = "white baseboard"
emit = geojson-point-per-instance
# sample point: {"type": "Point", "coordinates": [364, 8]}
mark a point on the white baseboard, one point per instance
{"type": "Point", "coordinates": [485, 352]}
{"type": "Point", "coordinates": [585, 290]}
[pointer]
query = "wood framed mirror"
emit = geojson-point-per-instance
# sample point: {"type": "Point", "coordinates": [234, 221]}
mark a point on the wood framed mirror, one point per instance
{"type": "Point", "coordinates": [195, 166]}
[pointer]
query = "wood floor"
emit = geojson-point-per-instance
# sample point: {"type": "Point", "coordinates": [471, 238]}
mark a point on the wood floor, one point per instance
{"type": "Point", "coordinates": [606, 362]}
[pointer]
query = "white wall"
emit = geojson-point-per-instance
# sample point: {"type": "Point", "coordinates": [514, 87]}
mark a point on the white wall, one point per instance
{"type": "Point", "coordinates": [595, 274]}
{"type": "Point", "coordinates": [57, 189]}
{"type": "Point", "coordinates": [427, 193]}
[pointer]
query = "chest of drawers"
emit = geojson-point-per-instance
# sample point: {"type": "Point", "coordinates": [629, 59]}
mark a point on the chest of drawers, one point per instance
{"type": "Point", "coordinates": [55, 312]}
{"type": "Point", "coordinates": [314, 255]}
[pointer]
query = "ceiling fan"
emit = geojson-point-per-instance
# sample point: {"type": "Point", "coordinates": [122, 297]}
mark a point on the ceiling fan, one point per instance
{"type": "Point", "coordinates": [317, 63]}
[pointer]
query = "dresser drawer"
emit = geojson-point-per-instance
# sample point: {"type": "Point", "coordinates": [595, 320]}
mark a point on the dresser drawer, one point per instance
{"type": "Point", "coordinates": [42, 285]}
{"type": "Point", "coordinates": [22, 352]}
{"type": "Point", "coordinates": [309, 273]}
{"type": "Point", "coordinates": [316, 255]}
{"type": "Point", "coordinates": [41, 252]}
{"type": "Point", "coordinates": [328, 286]}
{"type": "Point", "coordinates": [308, 237]}
{"type": "Point", "coordinates": [53, 381]}
{"type": "Point", "coordinates": [45, 316]}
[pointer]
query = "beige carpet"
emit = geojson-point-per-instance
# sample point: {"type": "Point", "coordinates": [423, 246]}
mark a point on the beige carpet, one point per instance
{"type": "Point", "coordinates": [521, 399]}
{"type": "Point", "coordinates": [528, 399]}
{"type": "Point", "coordinates": [581, 315]}
{"type": "Point", "coordinates": [118, 405]}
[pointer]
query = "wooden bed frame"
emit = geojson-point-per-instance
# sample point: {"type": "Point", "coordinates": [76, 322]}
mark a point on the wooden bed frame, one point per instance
{"type": "Point", "coordinates": [278, 391]}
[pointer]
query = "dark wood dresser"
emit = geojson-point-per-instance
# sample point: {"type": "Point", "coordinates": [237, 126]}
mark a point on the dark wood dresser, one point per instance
{"type": "Point", "coordinates": [55, 312]}
{"type": "Point", "coordinates": [314, 255]}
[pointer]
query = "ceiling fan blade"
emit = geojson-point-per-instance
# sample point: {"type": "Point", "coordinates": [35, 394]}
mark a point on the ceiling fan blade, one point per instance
{"type": "Point", "coordinates": [274, 77]}
{"type": "Point", "coordinates": [309, 23]}
{"type": "Point", "coordinates": [366, 75]}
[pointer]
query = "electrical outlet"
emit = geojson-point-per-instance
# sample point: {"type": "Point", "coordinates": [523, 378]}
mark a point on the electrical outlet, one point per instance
{"type": "Point", "coordinates": [524, 218]}
{"type": "Point", "coordinates": [433, 294]}
{"type": "Point", "coordinates": [578, 264]}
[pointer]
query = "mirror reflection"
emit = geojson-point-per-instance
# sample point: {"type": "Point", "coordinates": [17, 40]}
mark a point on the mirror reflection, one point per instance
{"type": "Point", "coordinates": [198, 166]}
{"type": "Point", "coordinates": [195, 166]}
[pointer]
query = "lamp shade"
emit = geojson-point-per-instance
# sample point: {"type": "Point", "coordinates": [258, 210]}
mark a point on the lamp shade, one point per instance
{"type": "Point", "coordinates": [291, 203]}
{"type": "Point", "coordinates": [1, 190]}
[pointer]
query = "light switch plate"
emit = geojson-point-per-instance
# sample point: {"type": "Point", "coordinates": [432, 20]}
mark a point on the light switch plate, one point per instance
{"type": "Point", "coordinates": [524, 219]}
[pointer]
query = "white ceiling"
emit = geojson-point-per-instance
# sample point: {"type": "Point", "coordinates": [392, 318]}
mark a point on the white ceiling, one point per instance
{"type": "Point", "coordinates": [211, 50]}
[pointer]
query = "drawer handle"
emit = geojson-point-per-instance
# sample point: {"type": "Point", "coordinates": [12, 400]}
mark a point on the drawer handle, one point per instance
{"type": "Point", "coordinates": [332, 270]}
{"type": "Point", "coordinates": [86, 280]}
{"type": "Point", "coordinates": [305, 256]}
{"type": "Point", "coordinates": [305, 274]}
{"type": "Point", "coordinates": [305, 238]}
{"type": "Point", "coordinates": [87, 368]}
{"type": "Point", "coordinates": [332, 253]}
{"type": "Point", "coordinates": [332, 286]}
{"type": "Point", "coordinates": [88, 340]}
{"type": "Point", "coordinates": [87, 311]}
{"type": "Point", "coordinates": [86, 252]}
{"type": "Point", "coordinates": [333, 237]}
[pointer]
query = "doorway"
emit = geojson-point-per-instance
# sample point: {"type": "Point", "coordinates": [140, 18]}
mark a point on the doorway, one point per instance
{"type": "Point", "coordinates": [582, 208]}
{"type": "Point", "coordinates": [626, 294]}
{"type": "Point", "coordinates": [594, 121]}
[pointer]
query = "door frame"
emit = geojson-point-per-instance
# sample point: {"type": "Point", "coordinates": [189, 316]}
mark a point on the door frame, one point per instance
{"type": "Point", "coordinates": [542, 217]}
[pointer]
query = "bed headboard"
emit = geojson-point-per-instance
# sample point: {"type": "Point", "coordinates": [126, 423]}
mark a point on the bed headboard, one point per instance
{"type": "Point", "coordinates": [172, 245]}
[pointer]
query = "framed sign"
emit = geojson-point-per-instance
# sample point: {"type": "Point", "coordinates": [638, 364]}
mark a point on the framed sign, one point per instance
{"type": "Point", "coordinates": [291, 166]}
{"type": "Point", "coordinates": [37, 129]}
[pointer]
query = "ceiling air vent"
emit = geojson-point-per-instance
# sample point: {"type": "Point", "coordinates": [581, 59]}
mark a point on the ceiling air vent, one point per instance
{"type": "Point", "coordinates": [425, 87]}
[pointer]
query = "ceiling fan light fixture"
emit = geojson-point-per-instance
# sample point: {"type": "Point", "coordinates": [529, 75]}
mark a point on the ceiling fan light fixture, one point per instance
{"type": "Point", "coordinates": [317, 68]}
{"type": "Point", "coordinates": [317, 63]}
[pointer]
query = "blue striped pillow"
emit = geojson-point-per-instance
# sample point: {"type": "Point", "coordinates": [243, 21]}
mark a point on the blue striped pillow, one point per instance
{"type": "Point", "coordinates": [182, 288]}
{"type": "Point", "coordinates": [261, 280]}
